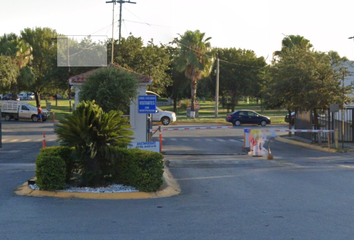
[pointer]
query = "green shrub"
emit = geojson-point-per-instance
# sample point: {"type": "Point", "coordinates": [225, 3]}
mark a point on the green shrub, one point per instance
{"type": "Point", "coordinates": [94, 134]}
{"type": "Point", "coordinates": [65, 153]}
{"type": "Point", "coordinates": [50, 172]}
{"type": "Point", "coordinates": [139, 168]}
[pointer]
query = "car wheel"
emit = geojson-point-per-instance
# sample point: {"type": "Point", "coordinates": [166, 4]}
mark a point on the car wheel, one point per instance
{"type": "Point", "coordinates": [263, 123]}
{"type": "Point", "coordinates": [34, 118]}
{"type": "Point", "coordinates": [237, 123]}
{"type": "Point", "coordinates": [7, 117]}
{"type": "Point", "coordinates": [165, 121]}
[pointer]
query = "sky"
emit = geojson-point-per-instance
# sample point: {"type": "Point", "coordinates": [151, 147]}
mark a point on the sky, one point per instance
{"type": "Point", "coordinates": [258, 25]}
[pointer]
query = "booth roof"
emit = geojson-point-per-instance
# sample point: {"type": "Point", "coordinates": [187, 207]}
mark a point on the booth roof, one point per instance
{"type": "Point", "coordinates": [81, 78]}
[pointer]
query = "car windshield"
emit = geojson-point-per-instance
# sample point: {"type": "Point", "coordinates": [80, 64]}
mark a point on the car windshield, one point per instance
{"type": "Point", "coordinates": [32, 108]}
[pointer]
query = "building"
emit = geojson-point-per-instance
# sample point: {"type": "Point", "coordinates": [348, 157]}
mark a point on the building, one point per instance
{"type": "Point", "coordinates": [138, 121]}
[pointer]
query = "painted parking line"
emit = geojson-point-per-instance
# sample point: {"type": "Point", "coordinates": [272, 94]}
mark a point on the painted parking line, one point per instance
{"type": "Point", "coordinates": [220, 140]}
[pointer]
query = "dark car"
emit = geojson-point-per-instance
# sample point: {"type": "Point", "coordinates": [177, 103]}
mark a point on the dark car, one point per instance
{"type": "Point", "coordinates": [247, 117]}
{"type": "Point", "coordinates": [8, 96]}
{"type": "Point", "coordinates": [286, 119]}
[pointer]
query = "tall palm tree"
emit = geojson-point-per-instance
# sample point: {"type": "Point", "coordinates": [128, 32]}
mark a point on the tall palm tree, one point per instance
{"type": "Point", "coordinates": [21, 54]}
{"type": "Point", "coordinates": [195, 59]}
{"type": "Point", "coordinates": [294, 42]}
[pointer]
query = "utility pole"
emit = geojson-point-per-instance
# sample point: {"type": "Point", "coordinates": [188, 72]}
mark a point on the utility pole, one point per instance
{"type": "Point", "coordinates": [343, 114]}
{"type": "Point", "coordinates": [217, 88]}
{"type": "Point", "coordinates": [120, 21]}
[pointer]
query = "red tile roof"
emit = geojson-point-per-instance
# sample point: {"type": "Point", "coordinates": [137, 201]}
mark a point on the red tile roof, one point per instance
{"type": "Point", "coordinates": [81, 78]}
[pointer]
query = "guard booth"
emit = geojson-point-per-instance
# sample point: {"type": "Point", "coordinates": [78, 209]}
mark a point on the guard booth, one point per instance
{"type": "Point", "coordinates": [138, 121]}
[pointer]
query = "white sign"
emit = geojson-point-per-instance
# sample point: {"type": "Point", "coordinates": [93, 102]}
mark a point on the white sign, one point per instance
{"type": "Point", "coordinates": [149, 146]}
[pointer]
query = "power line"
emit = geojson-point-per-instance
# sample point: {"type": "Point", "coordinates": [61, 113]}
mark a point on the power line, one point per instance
{"type": "Point", "coordinates": [149, 24]}
{"type": "Point", "coordinates": [120, 21]}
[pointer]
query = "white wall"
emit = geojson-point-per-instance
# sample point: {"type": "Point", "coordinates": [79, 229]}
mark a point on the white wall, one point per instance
{"type": "Point", "coordinates": [138, 120]}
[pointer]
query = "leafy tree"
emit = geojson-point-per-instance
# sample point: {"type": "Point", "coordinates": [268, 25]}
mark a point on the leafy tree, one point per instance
{"type": "Point", "coordinates": [94, 134]}
{"type": "Point", "coordinates": [112, 88]}
{"type": "Point", "coordinates": [44, 57]}
{"type": "Point", "coordinates": [241, 73]}
{"type": "Point", "coordinates": [151, 60]}
{"type": "Point", "coordinates": [8, 72]}
{"type": "Point", "coordinates": [21, 55]}
{"type": "Point", "coordinates": [195, 59]}
{"type": "Point", "coordinates": [179, 87]}
{"type": "Point", "coordinates": [305, 80]}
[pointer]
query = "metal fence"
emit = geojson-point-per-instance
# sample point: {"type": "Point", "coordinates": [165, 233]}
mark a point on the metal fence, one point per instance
{"type": "Point", "coordinates": [341, 121]}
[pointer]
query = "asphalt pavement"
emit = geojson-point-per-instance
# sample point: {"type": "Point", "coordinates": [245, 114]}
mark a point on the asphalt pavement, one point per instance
{"type": "Point", "coordinates": [301, 194]}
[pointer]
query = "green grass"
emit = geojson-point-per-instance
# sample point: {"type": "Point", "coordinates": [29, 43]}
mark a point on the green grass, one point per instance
{"type": "Point", "coordinates": [206, 112]}
{"type": "Point", "coordinates": [61, 108]}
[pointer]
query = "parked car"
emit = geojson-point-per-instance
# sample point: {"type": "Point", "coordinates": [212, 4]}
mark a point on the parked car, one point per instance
{"type": "Point", "coordinates": [30, 96]}
{"type": "Point", "coordinates": [165, 117]}
{"type": "Point", "coordinates": [8, 96]}
{"type": "Point", "coordinates": [22, 96]}
{"type": "Point", "coordinates": [286, 119]}
{"type": "Point", "coordinates": [247, 117]}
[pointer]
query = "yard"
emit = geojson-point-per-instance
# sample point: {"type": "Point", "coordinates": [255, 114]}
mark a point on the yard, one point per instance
{"type": "Point", "coordinates": [206, 111]}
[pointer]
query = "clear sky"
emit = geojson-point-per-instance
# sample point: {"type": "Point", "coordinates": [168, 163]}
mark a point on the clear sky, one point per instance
{"type": "Point", "coordinates": [257, 25]}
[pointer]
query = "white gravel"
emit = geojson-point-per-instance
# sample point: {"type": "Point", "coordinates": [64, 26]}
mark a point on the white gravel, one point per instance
{"type": "Point", "coordinates": [114, 188]}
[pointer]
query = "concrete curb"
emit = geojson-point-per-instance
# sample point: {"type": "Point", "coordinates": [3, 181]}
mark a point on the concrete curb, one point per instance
{"type": "Point", "coordinates": [169, 188]}
{"type": "Point", "coordinates": [303, 144]}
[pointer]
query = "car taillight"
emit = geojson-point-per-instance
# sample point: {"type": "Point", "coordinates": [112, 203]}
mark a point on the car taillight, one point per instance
{"type": "Point", "coordinates": [228, 116]}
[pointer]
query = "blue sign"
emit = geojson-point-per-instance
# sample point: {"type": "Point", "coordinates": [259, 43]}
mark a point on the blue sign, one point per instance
{"type": "Point", "coordinates": [147, 104]}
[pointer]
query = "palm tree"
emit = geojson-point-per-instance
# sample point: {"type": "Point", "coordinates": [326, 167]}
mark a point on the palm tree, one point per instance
{"type": "Point", "coordinates": [94, 134]}
{"type": "Point", "coordinates": [195, 59]}
{"type": "Point", "coordinates": [21, 54]}
{"type": "Point", "coordinates": [293, 42]}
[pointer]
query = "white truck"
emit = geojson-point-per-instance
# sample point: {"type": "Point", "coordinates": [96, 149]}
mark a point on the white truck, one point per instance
{"type": "Point", "coordinates": [21, 110]}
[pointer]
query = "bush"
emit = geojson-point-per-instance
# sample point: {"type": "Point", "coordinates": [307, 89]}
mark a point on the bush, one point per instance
{"type": "Point", "coordinates": [50, 172]}
{"type": "Point", "coordinates": [139, 168]}
{"type": "Point", "coordinates": [65, 153]}
{"type": "Point", "coordinates": [94, 134]}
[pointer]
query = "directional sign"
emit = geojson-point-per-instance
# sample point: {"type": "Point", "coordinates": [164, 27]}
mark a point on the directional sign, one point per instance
{"type": "Point", "coordinates": [147, 103]}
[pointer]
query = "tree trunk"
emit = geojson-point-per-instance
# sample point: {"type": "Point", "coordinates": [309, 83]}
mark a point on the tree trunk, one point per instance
{"type": "Point", "coordinates": [193, 95]}
{"type": "Point", "coordinates": [290, 120]}
{"type": "Point", "coordinates": [38, 98]}
{"type": "Point", "coordinates": [174, 103]}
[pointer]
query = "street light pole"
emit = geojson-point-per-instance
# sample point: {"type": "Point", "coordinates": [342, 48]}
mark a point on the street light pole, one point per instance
{"type": "Point", "coordinates": [217, 89]}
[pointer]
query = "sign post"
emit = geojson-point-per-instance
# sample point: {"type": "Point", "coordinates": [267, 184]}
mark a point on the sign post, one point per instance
{"type": "Point", "coordinates": [147, 105]}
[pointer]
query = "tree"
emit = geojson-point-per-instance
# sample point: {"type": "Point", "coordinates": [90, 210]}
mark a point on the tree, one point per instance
{"type": "Point", "coordinates": [112, 89]}
{"type": "Point", "coordinates": [8, 72]}
{"type": "Point", "coordinates": [195, 59]}
{"type": "Point", "coordinates": [179, 87]}
{"type": "Point", "coordinates": [94, 133]}
{"type": "Point", "coordinates": [21, 55]}
{"type": "Point", "coordinates": [289, 74]}
{"type": "Point", "coordinates": [305, 80]}
{"type": "Point", "coordinates": [293, 42]}
{"type": "Point", "coordinates": [150, 60]}
{"type": "Point", "coordinates": [44, 57]}
{"type": "Point", "coordinates": [241, 74]}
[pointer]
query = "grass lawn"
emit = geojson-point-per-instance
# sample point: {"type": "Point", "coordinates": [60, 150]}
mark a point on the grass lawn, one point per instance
{"type": "Point", "coordinates": [206, 112]}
